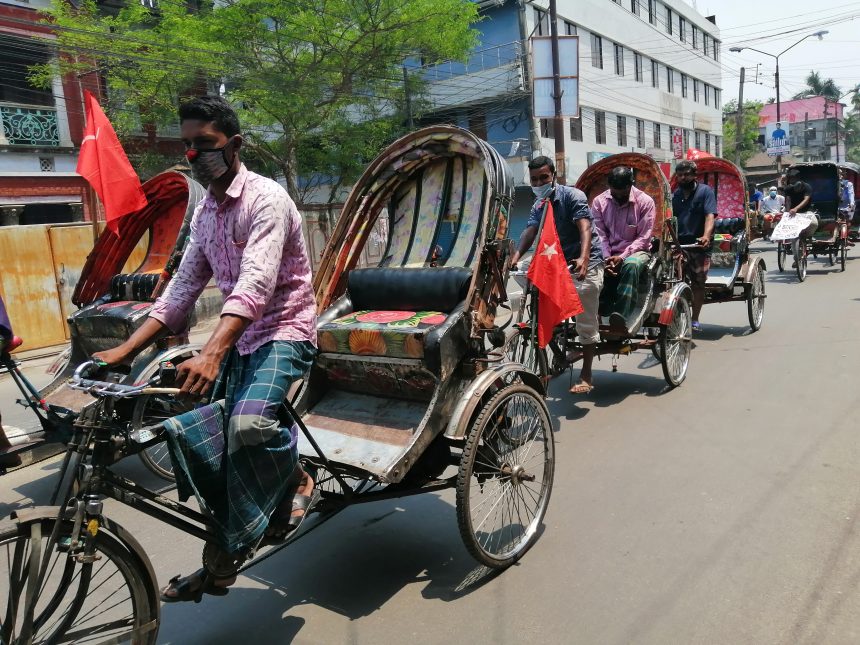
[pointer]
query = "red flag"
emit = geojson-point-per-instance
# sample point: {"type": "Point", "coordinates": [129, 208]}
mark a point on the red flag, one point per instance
{"type": "Point", "coordinates": [694, 154]}
{"type": "Point", "coordinates": [102, 162]}
{"type": "Point", "coordinates": [549, 274]}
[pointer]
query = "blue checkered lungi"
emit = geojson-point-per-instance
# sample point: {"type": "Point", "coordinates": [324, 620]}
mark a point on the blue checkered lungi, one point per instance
{"type": "Point", "coordinates": [239, 475]}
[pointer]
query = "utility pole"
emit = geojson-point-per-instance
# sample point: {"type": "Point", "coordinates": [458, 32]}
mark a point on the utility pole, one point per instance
{"type": "Point", "coordinates": [778, 114]}
{"type": "Point", "coordinates": [409, 122]}
{"type": "Point", "coordinates": [805, 136]}
{"type": "Point", "coordinates": [739, 120]}
{"type": "Point", "coordinates": [534, 139]}
{"type": "Point", "coordinates": [836, 116]}
{"type": "Point", "coordinates": [826, 127]}
{"type": "Point", "coordinates": [558, 121]}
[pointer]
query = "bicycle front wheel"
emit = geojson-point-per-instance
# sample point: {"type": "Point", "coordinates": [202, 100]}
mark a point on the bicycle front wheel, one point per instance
{"type": "Point", "coordinates": [109, 599]}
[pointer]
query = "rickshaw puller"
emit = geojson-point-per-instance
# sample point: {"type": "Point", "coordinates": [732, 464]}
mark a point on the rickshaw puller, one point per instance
{"type": "Point", "coordinates": [695, 206]}
{"type": "Point", "coordinates": [624, 217]}
{"type": "Point", "coordinates": [798, 197]}
{"type": "Point", "coordinates": [233, 454]}
{"type": "Point", "coordinates": [576, 231]}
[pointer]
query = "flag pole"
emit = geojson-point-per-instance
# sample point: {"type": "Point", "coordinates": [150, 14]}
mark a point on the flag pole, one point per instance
{"type": "Point", "coordinates": [532, 292]}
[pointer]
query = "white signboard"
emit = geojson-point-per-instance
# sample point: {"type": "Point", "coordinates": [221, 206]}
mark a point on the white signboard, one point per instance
{"type": "Point", "coordinates": [790, 227]}
{"type": "Point", "coordinates": [776, 139]}
{"type": "Point", "coordinates": [568, 61]}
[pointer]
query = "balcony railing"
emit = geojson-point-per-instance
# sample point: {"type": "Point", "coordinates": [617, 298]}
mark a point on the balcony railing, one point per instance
{"type": "Point", "coordinates": [25, 125]}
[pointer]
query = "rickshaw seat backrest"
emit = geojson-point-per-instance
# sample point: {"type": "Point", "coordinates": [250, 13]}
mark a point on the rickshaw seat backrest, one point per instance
{"type": "Point", "coordinates": [133, 286]}
{"type": "Point", "coordinates": [415, 289]}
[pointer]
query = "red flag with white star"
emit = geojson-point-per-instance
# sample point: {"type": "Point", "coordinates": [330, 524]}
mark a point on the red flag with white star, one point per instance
{"type": "Point", "coordinates": [549, 274]}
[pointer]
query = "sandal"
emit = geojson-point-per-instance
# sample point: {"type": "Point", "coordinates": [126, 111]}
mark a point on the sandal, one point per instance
{"type": "Point", "coordinates": [283, 521]}
{"type": "Point", "coordinates": [186, 590]}
{"type": "Point", "coordinates": [582, 388]}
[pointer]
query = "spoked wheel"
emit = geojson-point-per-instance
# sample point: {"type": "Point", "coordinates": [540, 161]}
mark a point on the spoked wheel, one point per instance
{"type": "Point", "coordinates": [505, 476]}
{"type": "Point", "coordinates": [150, 410]}
{"type": "Point", "coordinates": [781, 252]}
{"type": "Point", "coordinates": [676, 341]}
{"type": "Point", "coordinates": [800, 259]}
{"type": "Point", "coordinates": [109, 600]}
{"type": "Point", "coordinates": [843, 253]}
{"type": "Point", "coordinates": [519, 348]}
{"type": "Point", "coordinates": [756, 298]}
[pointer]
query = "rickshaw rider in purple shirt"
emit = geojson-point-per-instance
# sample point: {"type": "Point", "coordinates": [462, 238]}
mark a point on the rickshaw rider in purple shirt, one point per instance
{"type": "Point", "coordinates": [624, 217]}
{"type": "Point", "coordinates": [234, 454]}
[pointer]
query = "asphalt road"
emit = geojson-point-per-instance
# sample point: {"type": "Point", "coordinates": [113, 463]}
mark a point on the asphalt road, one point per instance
{"type": "Point", "coordinates": [725, 511]}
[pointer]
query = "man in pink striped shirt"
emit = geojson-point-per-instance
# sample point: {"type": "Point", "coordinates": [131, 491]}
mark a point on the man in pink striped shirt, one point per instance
{"type": "Point", "coordinates": [237, 455]}
{"type": "Point", "coordinates": [624, 217]}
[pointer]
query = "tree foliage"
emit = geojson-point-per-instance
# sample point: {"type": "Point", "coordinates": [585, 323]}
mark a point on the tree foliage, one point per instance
{"type": "Point", "coordinates": [318, 83]}
{"type": "Point", "coordinates": [749, 130]}
{"type": "Point", "coordinates": [818, 86]}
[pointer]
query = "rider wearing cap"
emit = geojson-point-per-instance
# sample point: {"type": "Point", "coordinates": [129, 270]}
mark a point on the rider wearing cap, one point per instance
{"type": "Point", "coordinates": [624, 217]}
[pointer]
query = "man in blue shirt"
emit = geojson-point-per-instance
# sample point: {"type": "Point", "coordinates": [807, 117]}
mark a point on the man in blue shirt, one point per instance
{"type": "Point", "coordinates": [582, 251]}
{"type": "Point", "coordinates": [695, 206]}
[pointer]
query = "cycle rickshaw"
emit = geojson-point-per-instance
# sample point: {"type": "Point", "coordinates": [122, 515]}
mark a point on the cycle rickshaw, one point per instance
{"type": "Point", "coordinates": [735, 274]}
{"type": "Point", "coordinates": [112, 305]}
{"type": "Point", "coordinates": [831, 237]}
{"type": "Point", "coordinates": [663, 321]}
{"type": "Point", "coordinates": [852, 174]}
{"type": "Point", "coordinates": [404, 390]}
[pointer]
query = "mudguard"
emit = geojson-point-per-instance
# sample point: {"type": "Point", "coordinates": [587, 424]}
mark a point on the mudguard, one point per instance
{"type": "Point", "coordinates": [751, 268]}
{"type": "Point", "coordinates": [146, 369]}
{"type": "Point", "coordinates": [667, 311]}
{"type": "Point", "coordinates": [480, 389]}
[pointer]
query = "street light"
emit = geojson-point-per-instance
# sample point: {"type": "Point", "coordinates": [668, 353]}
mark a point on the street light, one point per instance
{"type": "Point", "coordinates": [820, 35]}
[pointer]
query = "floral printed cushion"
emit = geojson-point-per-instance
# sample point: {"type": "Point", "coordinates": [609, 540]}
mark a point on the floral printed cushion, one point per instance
{"type": "Point", "coordinates": [397, 334]}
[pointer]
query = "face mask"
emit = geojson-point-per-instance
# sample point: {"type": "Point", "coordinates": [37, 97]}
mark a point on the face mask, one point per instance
{"type": "Point", "coordinates": [208, 165]}
{"type": "Point", "coordinates": [773, 193]}
{"type": "Point", "coordinates": [542, 192]}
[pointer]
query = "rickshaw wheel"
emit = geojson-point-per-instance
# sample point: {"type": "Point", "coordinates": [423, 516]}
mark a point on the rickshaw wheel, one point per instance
{"type": "Point", "coordinates": [755, 299]}
{"type": "Point", "coordinates": [676, 340]}
{"type": "Point", "coordinates": [800, 259]}
{"type": "Point", "coordinates": [519, 348]}
{"type": "Point", "coordinates": [780, 255]}
{"type": "Point", "coordinates": [505, 476]}
{"type": "Point", "coordinates": [843, 252]}
{"type": "Point", "coordinates": [149, 410]}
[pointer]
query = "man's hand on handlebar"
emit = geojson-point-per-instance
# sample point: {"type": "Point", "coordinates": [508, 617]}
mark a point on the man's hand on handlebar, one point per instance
{"type": "Point", "coordinates": [111, 357]}
{"type": "Point", "coordinates": [704, 241]}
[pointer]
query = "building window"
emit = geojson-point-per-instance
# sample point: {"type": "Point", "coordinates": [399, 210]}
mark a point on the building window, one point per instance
{"type": "Point", "coordinates": [716, 145]}
{"type": "Point", "coordinates": [697, 137]}
{"type": "Point", "coordinates": [705, 47]}
{"type": "Point", "coordinates": [637, 67]}
{"type": "Point", "coordinates": [716, 49]}
{"type": "Point", "coordinates": [682, 29]}
{"type": "Point", "coordinates": [634, 7]}
{"type": "Point", "coordinates": [599, 126]}
{"type": "Point", "coordinates": [707, 142]}
{"type": "Point", "coordinates": [652, 11]}
{"type": "Point", "coordinates": [658, 138]}
{"type": "Point", "coordinates": [684, 91]}
{"type": "Point", "coordinates": [547, 128]}
{"type": "Point", "coordinates": [622, 130]}
{"type": "Point", "coordinates": [695, 37]}
{"type": "Point", "coordinates": [669, 20]}
{"type": "Point", "coordinates": [686, 140]}
{"type": "Point", "coordinates": [16, 54]}
{"type": "Point", "coordinates": [569, 28]}
{"type": "Point", "coordinates": [640, 133]}
{"type": "Point", "coordinates": [576, 129]}
{"type": "Point", "coordinates": [542, 20]}
{"type": "Point", "coordinates": [670, 80]}
{"type": "Point", "coordinates": [619, 60]}
{"type": "Point", "coordinates": [596, 51]}
{"type": "Point", "coordinates": [655, 74]}
{"type": "Point", "coordinates": [707, 93]}
{"type": "Point", "coordinates": [717, 97]}
{"type": "Point", "coordinates": [696, 90]}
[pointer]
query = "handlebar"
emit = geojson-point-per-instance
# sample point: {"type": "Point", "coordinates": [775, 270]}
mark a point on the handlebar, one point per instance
{"type": "Point", "coordinates": [106, 389]}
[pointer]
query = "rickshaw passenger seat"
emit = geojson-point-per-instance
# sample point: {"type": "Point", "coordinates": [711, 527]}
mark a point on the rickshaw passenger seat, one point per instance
{"type": "Point", "coordinates": [133, 286]}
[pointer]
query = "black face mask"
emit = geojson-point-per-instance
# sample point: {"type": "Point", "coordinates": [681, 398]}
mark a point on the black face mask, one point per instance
{"type": "Point", "coordinates": [209, 164]}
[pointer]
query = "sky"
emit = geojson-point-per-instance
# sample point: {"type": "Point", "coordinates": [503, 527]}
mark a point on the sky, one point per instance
{"type": "Point", "coordinates": [772, 27]}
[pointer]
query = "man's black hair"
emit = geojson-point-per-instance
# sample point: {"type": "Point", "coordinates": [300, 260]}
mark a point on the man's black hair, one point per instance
{"type": "Point", "coordinates": [620, 177]}
{"type": "Point", "coordinates": [540, 162]}
{"type": "Point", "coordinates": [685, 166]}
{"type": "Point", "coordinates": [212, 109]}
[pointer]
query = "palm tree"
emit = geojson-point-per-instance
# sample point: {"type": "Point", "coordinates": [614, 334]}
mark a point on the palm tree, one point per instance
{"type": "Point", "coordinates": [817, 86]}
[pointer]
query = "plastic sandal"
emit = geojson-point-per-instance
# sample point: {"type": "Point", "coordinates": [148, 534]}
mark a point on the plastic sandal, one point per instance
{"type": "Point", "coordinates": [185, 592]}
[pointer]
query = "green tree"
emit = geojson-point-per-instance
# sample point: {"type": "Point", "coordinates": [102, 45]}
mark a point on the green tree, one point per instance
{"type": "Point", "coordinates": [749, 130]}
{"type": "Point", "coordinates": [818, 86]}
{"type": "Point", "coordinates": [319, 83]}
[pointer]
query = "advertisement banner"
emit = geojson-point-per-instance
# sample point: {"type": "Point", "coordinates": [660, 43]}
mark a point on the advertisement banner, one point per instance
{"type": "Point", "coordinates": [790, 227]}
{"type": "Point", "coordinates": [776, 139]}
{"type": "Point", "coordinates": [678, 142]}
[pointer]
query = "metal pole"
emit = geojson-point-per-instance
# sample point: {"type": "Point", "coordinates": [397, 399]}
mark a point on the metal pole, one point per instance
{"type": "Point", "coordinates": [409, 122]}
{"type": "Point", "coordinates": [778, 114]}
{"type": "Point", "coordinates": [534, 139]}
{"type": "Point", "coordinates": [557, 122]}
{"type": "Point", "coordinates": [740, 120]}
{"type": "Point", "coordinates": [805, 136]}
{"type": "Point", "coordinates": [836, 116]}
